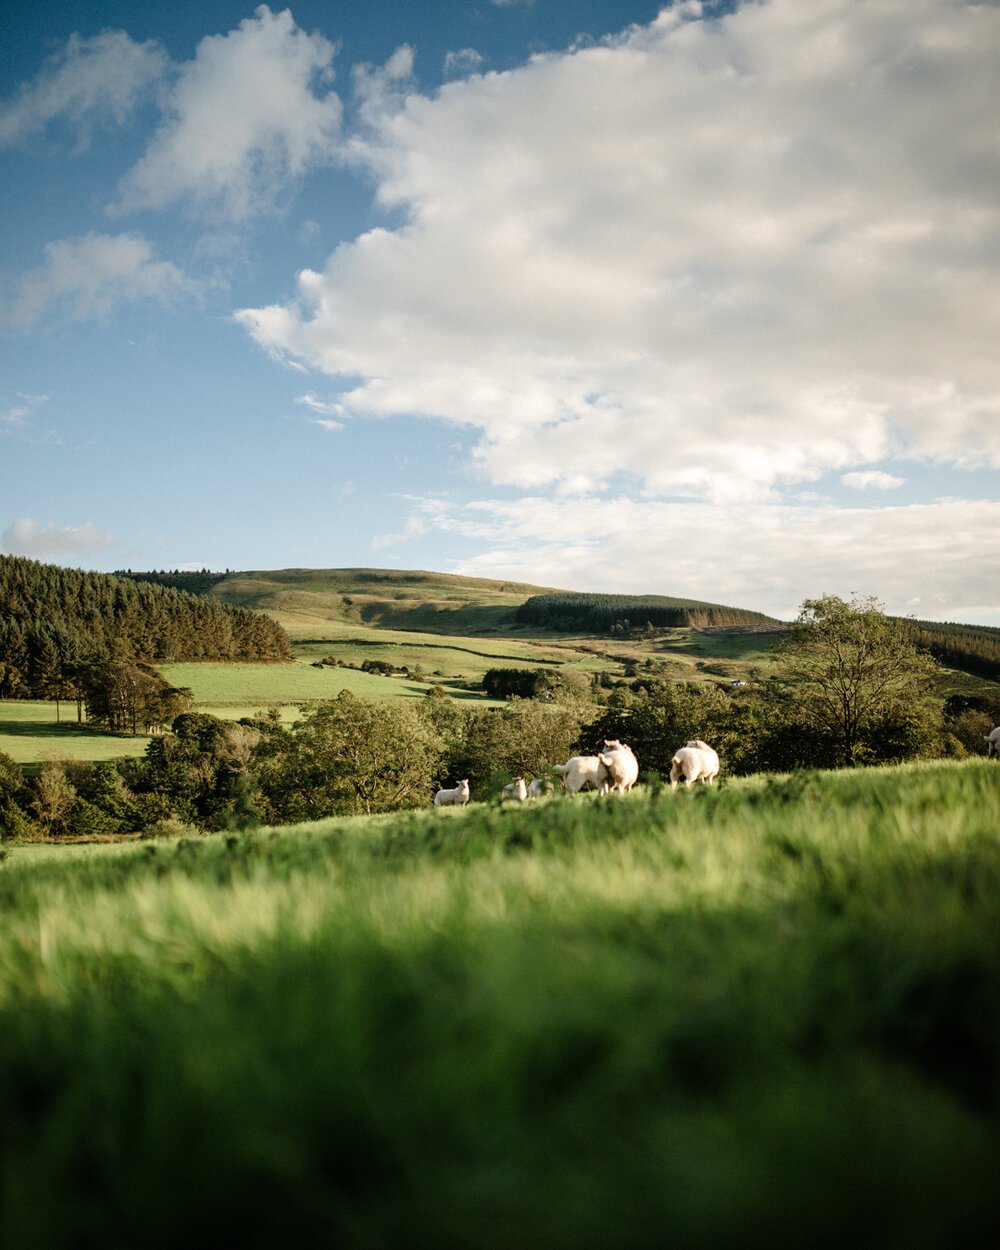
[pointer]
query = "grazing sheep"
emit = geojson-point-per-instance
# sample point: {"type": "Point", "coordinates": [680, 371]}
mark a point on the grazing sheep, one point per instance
{"type": "Point", "coordinates": [694, 762]}
{"type": "Point", "coordinates": [993, 743]}
{"type": "Point", "coordinates": [540, 787]}
{"type": "Point", "coordinates": [622, 768]}
{"type": "Point", "coordinates": [453, 798]}
{"type": "Point", "coordinates": [581, 771]}
{"type": "Point", "coordinates": [516, 790]}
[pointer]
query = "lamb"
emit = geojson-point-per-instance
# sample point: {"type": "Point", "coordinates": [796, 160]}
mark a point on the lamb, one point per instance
{"type": "Point", "coordinates": [694, 762]}
{"type": "Point", "coordinates": [453, 798]}
{"type": "Point", "coordinates": [516, 790]}
{"type": "Point", "coordinates": [540, 787]}
{"type": "Point", "coordinates": [621, 767]}
{"type": "Point", "coordinates": [581, 771]}
{"type": "Point", "coordinates": [993, 743]}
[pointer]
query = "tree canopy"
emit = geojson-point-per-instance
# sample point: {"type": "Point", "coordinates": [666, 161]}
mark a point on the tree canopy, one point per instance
{"type": "Point", "coordinates": [858, 671]}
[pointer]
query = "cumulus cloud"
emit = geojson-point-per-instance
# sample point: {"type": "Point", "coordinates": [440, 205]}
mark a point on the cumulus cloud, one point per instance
{"type": "Point", "coordinates": [87, 277]}
{"type": "Point", "coordinates": [89, 82]}
{"type": "Point", "coordinates": [719, 256]}
{"type": "Point", "coordinates": [871, 479]}
{"type": "Point", "coordinates": [927, 560]}
{"type": "Point", "coordinates": [246, 116]}
{"type": "Point", "coordinates": [25, 537]}
{"type": "Point", "coordinates": [464, 61]}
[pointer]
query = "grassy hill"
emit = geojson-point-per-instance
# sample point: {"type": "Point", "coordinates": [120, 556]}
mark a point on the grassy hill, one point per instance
{"type": "Point", "coordinates": [417, 600]}
{"type": "Point", "coordinates": [443, 629]}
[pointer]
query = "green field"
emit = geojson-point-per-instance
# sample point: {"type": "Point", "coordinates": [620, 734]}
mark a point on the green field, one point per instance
{"type": "Point", "coordinates": [764, 1014]}
{"type": "Point", "coordinates": [29, 732]}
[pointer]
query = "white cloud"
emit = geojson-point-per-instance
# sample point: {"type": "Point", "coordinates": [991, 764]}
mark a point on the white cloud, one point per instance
{"type": "Point", "coordinates": [14, 418]}
{"type": "Point", "coordinates": [464, 61]}
{"type": "Point", "coordinates": [926, 560]}
{"type": "Point", "coordinates": [90, 81]}
{"type": "Point", "coordinates": [87, 277]}
{"type": "Point", "coordinates": [243, 121]}
{"type": "Point", "coordinates": [25, 537]}
{"type": "Point", "coordinates": [330, 413]}
{"type": "Point", "coordinates": [722, 257]}
{"type": "Point", "coordinates": [871, 479]}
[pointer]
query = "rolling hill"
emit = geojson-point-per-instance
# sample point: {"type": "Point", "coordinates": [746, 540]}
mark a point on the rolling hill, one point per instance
{"type": "Point", "coordinates": [444, 603]}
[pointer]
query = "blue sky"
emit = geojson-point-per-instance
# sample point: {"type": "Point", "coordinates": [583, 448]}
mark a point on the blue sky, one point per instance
{"type": "Point", "coordinates": [696, 300]}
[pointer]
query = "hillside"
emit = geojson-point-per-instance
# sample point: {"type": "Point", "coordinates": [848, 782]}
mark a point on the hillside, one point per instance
{"type": "Point", "coordinates": [447, 603]}
{"type": "Point", "coordinates": [391, 598]}
{"type": "Point", "coordinates": [55, 621]}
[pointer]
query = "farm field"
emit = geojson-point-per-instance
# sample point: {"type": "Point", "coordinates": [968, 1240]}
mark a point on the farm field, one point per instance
{"type": "Point", "coordinates": [766, 1013]}
{"type": "Point", "coordinates": [29, 733]}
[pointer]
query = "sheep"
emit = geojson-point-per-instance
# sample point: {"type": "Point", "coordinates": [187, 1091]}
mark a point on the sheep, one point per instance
{"type": "Point", "coordinates": [993, 743]}
{"type": "Point", "coordinates": [516, 790]}
{"type": "Point", "coordinates": [694, 762]}
{"type": "Point", "coordinates": [581, 771]}
{"type": "Point", "coordinates": [540, 787]}
{"type": "Point", "coordinates": [453, 798]}
{"type": "Point", "coordinates": [621, 767]}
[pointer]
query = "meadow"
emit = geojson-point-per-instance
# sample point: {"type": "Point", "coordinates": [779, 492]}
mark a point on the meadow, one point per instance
{"type": "Point", "coordinates": [769, 1012]}
{"type": "Point", "coordinates": [30, 733]}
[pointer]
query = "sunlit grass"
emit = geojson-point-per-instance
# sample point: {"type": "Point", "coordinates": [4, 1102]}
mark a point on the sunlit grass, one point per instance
{"type": "Point", "coordinates": [769, 1011]}
{"type": "Point", "coordinates": [29, 733]}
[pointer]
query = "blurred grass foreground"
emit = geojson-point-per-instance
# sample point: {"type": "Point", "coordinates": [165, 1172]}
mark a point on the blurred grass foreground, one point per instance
{"type": "Point", "coordinates": [764, 1014]}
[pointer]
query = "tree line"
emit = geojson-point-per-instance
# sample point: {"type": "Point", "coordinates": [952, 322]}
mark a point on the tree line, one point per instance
{"type": "Point", "coordinates": [857, 691]}
{"type": "Point", "coordinates": [58, 625]}
{"type": "Point", "coordinates": [971, 648]}
{"type": "Point", "coordinates": [603, 614]}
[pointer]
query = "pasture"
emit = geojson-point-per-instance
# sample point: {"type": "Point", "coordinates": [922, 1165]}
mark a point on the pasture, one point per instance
{"type": "Point", "coordinates": [29, 733]}
{"type": "Point", "coordinates": [769, 1012]}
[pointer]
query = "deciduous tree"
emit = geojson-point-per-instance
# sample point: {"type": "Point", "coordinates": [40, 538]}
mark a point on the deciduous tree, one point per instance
{"type": "Point", "coordinates": [858, 673]}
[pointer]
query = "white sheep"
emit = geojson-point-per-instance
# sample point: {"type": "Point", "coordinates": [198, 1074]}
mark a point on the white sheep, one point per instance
{"type": "Point", "coordinates": [516, 790]}
{"type": "Point", "coordinates": [540, 787]}
{"type": "Point", "coordinates": [993, 743]}
{"type": "Point", "coordinates": [453, 798]}
{"type": "Point", "coordinates": [694, 762]}
{"type": "Point", "coordinates": [581, 771]}
{"type": "Point", "coordinates": [621, 767]}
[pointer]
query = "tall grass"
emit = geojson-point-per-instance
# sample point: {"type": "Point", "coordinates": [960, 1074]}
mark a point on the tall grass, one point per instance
{"type": "Point", "coordinates": [771, 1012]}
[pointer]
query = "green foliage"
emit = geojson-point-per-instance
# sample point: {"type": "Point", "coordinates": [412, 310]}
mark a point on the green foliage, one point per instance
{"type": "Point", "coordinates": [11, 778]}
{"type": "Point", "coordinates": [591, 613]}
{"type": "Point", "coordinates": [521, 683]}
{"type": "Point", "coordinates": [860, 676]}
{"type": "Point", "coordinates": [56, 623]}
{"type": "Point", "coordinates": [130, 698]}
{"type": "Point", "coordinates": [522, 739]}
{"type": "Point", "coordinates": [348, 755]}
{"type": "Point", "coordinates": [971, 648]}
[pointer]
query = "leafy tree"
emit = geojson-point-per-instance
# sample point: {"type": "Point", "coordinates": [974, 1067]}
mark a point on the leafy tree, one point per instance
{"type": "Point", "coordinates": [53, 798]}
{"type": "Point", "coordinates": [352, 756]}
{"type": "Point", "coordinates": [859, 675]}
{"type": "Point", "coordinates": [523, 738]}
{"type": "Point", "coordinates": [656, 721]}
{"type": "Point", "coordinates": [12, 819]}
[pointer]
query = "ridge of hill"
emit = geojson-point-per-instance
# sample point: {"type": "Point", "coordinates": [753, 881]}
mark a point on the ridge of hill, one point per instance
{"type": "Point", "coordinates": [307, 601]}
{"type": "Point", "coordinates": [445, 603]}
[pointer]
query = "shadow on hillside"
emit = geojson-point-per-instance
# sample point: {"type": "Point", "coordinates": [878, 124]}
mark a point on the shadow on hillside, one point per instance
{"type": "Point", "coordinates": [47, 729]}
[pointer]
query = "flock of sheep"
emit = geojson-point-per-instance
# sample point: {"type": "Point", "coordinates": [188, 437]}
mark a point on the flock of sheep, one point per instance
{"type": "Point", "coordinates": [615, 769]}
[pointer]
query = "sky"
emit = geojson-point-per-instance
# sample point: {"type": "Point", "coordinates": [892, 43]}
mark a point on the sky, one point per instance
{"type": "Point", "coordinates": [698, 300]}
